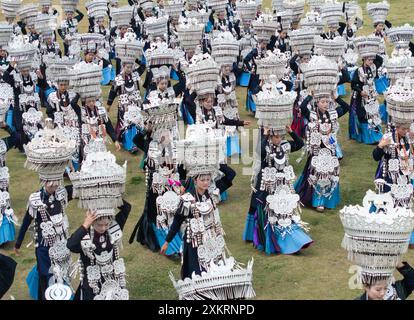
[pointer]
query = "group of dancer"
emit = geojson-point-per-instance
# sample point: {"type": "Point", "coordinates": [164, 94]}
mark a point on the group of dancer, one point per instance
{"type": "Point", "coordinates": [174, 62]}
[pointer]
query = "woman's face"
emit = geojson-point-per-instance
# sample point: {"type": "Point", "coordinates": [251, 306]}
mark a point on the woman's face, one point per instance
{"type": "Point", "coordinates": [377, 291]}
{"type": "Point", "coordinates": [379, 27]}
{"type": "Point", "coordinates": [226, 70]}
{"type": "Point", "coordinates": [128, 68]}
{"type": "Point", "coordinates": [402, 130]}
{"type": "Point", "coordinates": [25, 72]}
{"type": "Point", "coordinates": [208, 103]}
{"type": "Point", "coordinates": [283, 34]}
{"type": "Point", "coordinates": [163, 85]}
{"type": "Point", "coordinates": [90, 103]}
{"type": "Point", "coordinates": [89, 57]}
{"type": "Point", "coordinates": [63, 86]}
{"type": "Point", "coordinates": [100, 22]}
{"type": "Point", "coordinates": [276, 139]}
{"type": "Point", "coordinates": [51, 188]}
{"type": "Point", "coordinates": [123, 29]}
{"type": "Point", "coordinates": [203, 182]}
{"type": "Point", "coordinates": [221, 15]}
{"type": "Point", "coordinates": [323, 104]}
{"type": "Point", "coordinates": [3, 53]}
{"type": "Point", "coordinates": [69, 15]}
{"type": "Point", "coordinates": [102, 225]}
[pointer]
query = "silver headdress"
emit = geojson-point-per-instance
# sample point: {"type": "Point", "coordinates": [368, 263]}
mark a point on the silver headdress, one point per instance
{"type": "Point", "coordinates": [286, 19]}
{"type": "Point", "coordinates": [69, 5]}
{"type": "Point", "coordinates": [332, 49]}
{"type": "Point", "coordinates": [58, 69]}
{"type": "Point", "coordinates": [201, 15]}
{"type": "Point", "coordinates": [332, 14]}
{"type": "Point", "coordinates": [225, 48]}
{"type": "Point", "coordinates": [46, 25]}
{"type": "Point", "coordinates": [352, 9]}
{"type": "Point", "coordinates": [10, 8]}
{"type": "Point", "coordinates": [203, 75]}
{"type": "Point", "coordinates": [302, 40]}
{"type": "Point", "coordinates": [217, 5]}
{"type": "Point", "coordinates": [85, 79]}
{"type": "Point", "coordinates": [274, 107]}
{"type": "Point", "coordinates": [274, 63]}
{"type": "Point", "coordinates": [28, 13]}
{"type": "Point", "coordinates": [246, 9]}
{"type": "Point", "coordinates": [222, 282]}
{"type": "Point", "coordinates": [400, 101]}
{"type": "Point", "coordinates": [6, 31]}
{"type": "Point", "coordinates": [162, 72]}
{"type": "Point", "coordinates": [313, 20]}
{"type": "Point", "coordinates": [376, 240]}
{"type": "Point", "coordinates": [159, 54]}
{"type": "Point", "coordinates": [45, 2]}
{"type": "Point", "coordinates": [316, 5]}
{"type": "Point", "coordinates": [128, 49]}
{"type": "Point", "coordinates": [278, 5]}
{"type": "Point", "coordinates": [378, 11]}
{"type": "Point", "coordinates": [156, 27]}
{"type": "Point", "coordinates": [297, 7]}
{"type": "Point", "coordinates": [22, 51]}
{"type": "Point", "coordinates": [401, 36]}
{"type": "Point", "coordinates": [100, 183]}
{"type": "Point", "coordinates": [368, 47]}
{"type": "Point", "coordinates": [321, 76]}
{"type": "Point", "coordinates": [190, 32]}
{"type": "Point", "coordinates": [90, 41]}
{"type": "Point", "coordinates": [122, 16]}
{"type": "Point", "coordinates": [202, 151]}
{"type": "Point", "coordinates": [49, 153]}
{"type": "Point", "coordinates": [398, 65]}
{"type": "Point", "coordinates": [146, 5]}
{"type": "Point", "coordinates": [264, 27]}
{"type": "Point", "coordinates": [173, 8]}
{"type": "Point", "coordinates": [97, 8]}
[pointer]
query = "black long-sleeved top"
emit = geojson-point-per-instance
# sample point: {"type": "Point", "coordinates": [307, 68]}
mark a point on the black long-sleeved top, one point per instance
{"type": "Point", "coordinates": [404, 287]}
{"type": "Point", "coordinates": [295, 145]}
{"type": "Point", "coordinates": [129, 82]}
{"type": "Point", "coordinates": [342, 109]}
{"type": "Point", "coordinates": [52, 208]}
{"type": "Point", "coordinates": [64, 100]}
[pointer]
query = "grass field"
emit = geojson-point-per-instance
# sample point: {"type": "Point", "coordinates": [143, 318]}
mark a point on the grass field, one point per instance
{"type": "Point", "coordinates": [319, 272]}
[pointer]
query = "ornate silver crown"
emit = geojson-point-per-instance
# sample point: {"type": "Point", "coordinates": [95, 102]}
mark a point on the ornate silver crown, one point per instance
{"type": "Point", "coordinates": [368, 47]}
{"type": "Point", "coordinates": [156, 27]}
{"type": "Point", "coordinates": [173, 8]}
{"type": "Point", "coordinates": [378, 11]}
{"type": "Point", "coordinates": [352, 9]}
{"type": "Point", "coordinates": [69, 5]}
{"type": "Point", "coordinates": [163, 113]}
{"type": "Point", "coordinates": [146, 5]}
{"type": "Point", "coordinates": [265, 26]}
{"type": "Point", "coordinates": [160, 54]}
{"type": "Point", "coordinates": [49, 153]}
{"type": "Point", "coordinates": [332, 49]}
{"type": "Point", "coordinates": [278, 5]}
{"type": "Point", "coordinates": [274, 107]}
{"type": "Point", "coordinates": [313, 20]}
{"type": "Point", "coordinates": [376, 235]}
{"type": "Point", "coordinates": [97, 8]}
{"type": "Point", "coordinates": [222, 282]}
{"type": "Point", "coordinates": [85, 78]}
{"type": "Point", "coordinates": [28, 13]}
{"type": "Point", "coordinates": [22, 51]}
{"type": "Point", "coordinates": [100, 183]}
{"type": "Point", "coordinates": [58, 69]}
{"type": "Point", "coordinates": [45, 24]}
{"type": "Point", "coordinates": [190, 32]}
{"type": "Point", "coordinates": [128, 49]}
{"type": "Point", "coordinates": [399, 65]}
{"type": "Point", "coordinates": [90, 41]}
{"type": "Point", "coordinates": [316, 5]}
{"type": "Point", "coordinates": [162, 72]}
{"type": "Point", "coordinates": [202, 151]}
{"type": "Point", "coordinates": [321, 75]}
{"type": "Point", "coordinates": [225, 48]}
{"type": "Point", "coordinates": [297, 7]}
{"type": "Point", "coordinates": [203, 74]}
{"type": "Point", "coordinates": [400, 100]}
{"type": "Point", "coordinates": [10, 8]}
{"type": "Point", "coordinates": [217, 5]}
{"type": "Point", "coordinates": [303, 40]}
{"type": "Point", "coordinates": [246, 9]}
{"type": "Point", "coordinates": [401, 36]}
{"type": "Point", "coordinates": [331, 13]}
{"type": "Point", "coordinates": [6, 31]}
{"type": "Point", "coordinates": [122, 16]}
{"type": "Point", "coordinates": [274, 63]}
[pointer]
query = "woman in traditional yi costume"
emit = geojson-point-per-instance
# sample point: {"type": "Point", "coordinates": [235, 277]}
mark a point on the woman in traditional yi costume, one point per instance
{"type": "Point", "coordinates": [204, 248]}
{"type": "Point", "coordinates": [69, 26]}
{"type": "Point", "coordinates": [126, 87]}
{"type": "Point", "coordinates": [49, 154]}
{"type": "Point", "coordinates": [364, 117]}
{"type": "Point", "coordinates": [99, 185]}
{"type": "Point", "coordinates": [270, 225]}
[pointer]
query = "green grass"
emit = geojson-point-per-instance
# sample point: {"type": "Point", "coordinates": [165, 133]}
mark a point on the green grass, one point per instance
{"type": "Point", "coordinates": [319, 272]}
